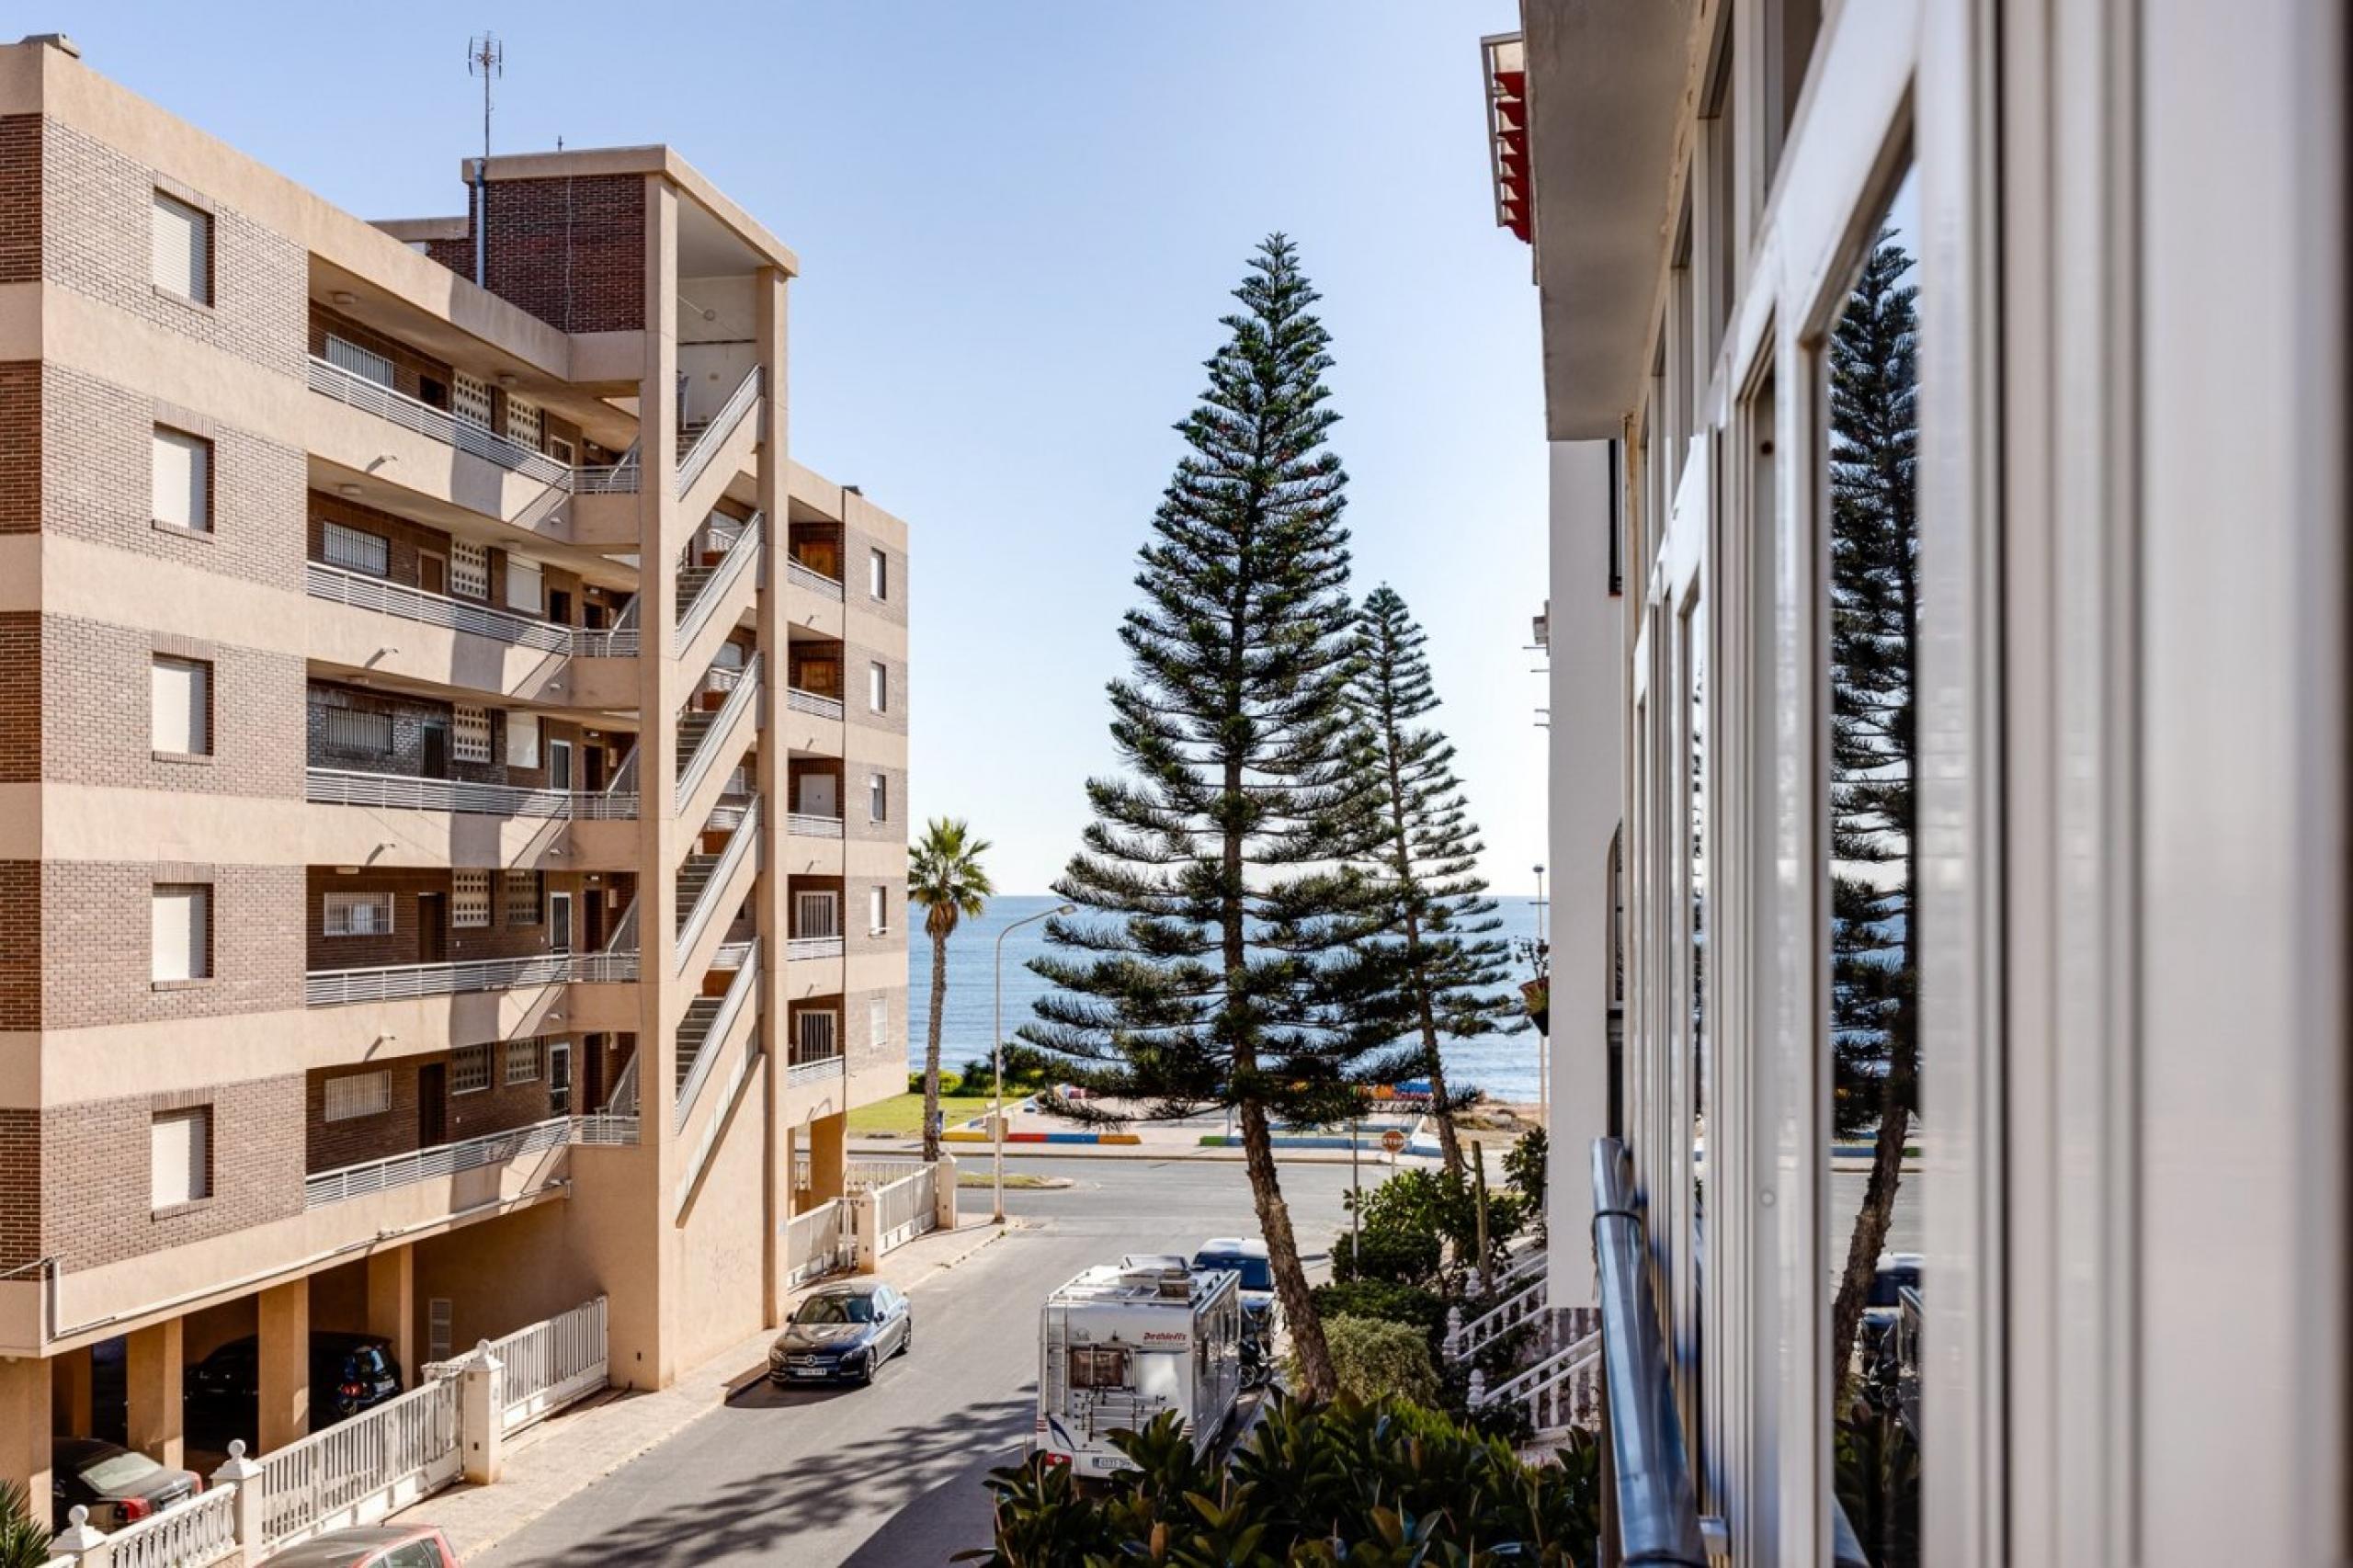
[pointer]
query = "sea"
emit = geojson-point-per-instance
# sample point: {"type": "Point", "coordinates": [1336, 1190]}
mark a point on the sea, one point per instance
{"type": "Point", "coordinates": [1504, 1066]}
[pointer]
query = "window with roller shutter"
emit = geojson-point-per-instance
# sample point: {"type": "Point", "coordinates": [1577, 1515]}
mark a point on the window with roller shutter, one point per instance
{"type": "Point", "coordinates": [183, 249]}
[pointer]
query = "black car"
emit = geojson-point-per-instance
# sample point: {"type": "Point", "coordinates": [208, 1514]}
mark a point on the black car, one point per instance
{"type": "Point", "coordinates": [118, 1485]}
{"type": "Point", "coordinates": [843, 1333]}
{"type": "Point", "coordinates": [349, 1373]}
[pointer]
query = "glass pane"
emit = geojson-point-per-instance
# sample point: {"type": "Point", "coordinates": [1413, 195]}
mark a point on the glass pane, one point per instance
{"type": "Point", "coordinates": [1873, 1033]}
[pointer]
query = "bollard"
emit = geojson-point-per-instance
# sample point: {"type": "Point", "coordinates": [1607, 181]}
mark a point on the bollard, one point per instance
{"type": "Point", "coordinates": [944, 1193]}
{"type": "Point", "coordinates": [481, 1416]}
{"type": "Point", "coordinates": [244, 1474]}
{"type": "Point", "coordinates": [866, 1220]}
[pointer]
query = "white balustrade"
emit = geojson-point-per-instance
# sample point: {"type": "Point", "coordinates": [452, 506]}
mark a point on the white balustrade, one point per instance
{"type": "Point", "coordinates": [339, 787]}
{"type": "Point", "coordinates": [810, 702]}
{"type": "Point", "coordinates": [708, 746]}
{"type": "Point", "coordinates": [816, 582]}
{"type": "Point", "coordinates": [360, 1470]}
{"type": "Point", "coordinates": [814, 947]}
{"type": "Point", "coordinates": [813, 826]}
{"type": "Point", "coordinates": [817, 1242]}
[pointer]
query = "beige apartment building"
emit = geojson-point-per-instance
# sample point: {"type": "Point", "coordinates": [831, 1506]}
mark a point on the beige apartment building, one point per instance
{"type": "Point", "coordinates": [452, 768]}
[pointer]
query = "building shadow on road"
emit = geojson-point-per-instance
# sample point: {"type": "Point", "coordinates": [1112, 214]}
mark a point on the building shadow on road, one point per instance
{"type": "Point", "coordinates": [911, 1475]}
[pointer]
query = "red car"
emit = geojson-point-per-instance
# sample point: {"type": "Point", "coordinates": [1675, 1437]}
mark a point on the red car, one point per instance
{"type": "Point", "coordinates": [372, 1546]}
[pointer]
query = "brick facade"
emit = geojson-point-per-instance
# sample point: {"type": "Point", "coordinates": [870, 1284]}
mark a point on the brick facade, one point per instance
{"type": "Point", "coordinates": [20, 447]}
{"type": "Point", "coordinates": [570, 250]}
{"type": "Point", "coordinates": [20, 954]}
{"type": "Point", "coordinates": [499, 939]}
{"type": "Point", "coordinates": [857, 580]}
{"type": "Point", "coordinates": [97, 956]}
{"type": "Point", "coordinates": [19, 1186]}
{"type": "Point", "coordinates": [397, 1128]}
{"type": "Point", "coordinates": [97, 1175]}
{"type": "Point", "coordinates": [20, 714]}
{"type": "Point", "coordinates": [858, 1038]}
{"type": "Point", "coordinates": [857, 694]}
{"type": "Point", "coordinates": [410, 718]}
{"type": "Point", "coordinates": [96, 679]}
{"type": "Point", "coordinates": [858, 818]}
{"type": "Point", "coordinates": [19, 198]}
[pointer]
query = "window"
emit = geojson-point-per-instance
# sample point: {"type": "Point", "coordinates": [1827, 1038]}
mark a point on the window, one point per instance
{"type": "Point", "coordinates": [522, 739]}
{"type": "Point", "coordinates": [523, 422]}
{"type": "Point", "coordinates": [523, 898]}
{"type": "Point", "coordinates": [469, 569]}
{"type": "Point", "coordinates": [365, 363]}
{"type": "Point", "coordinates": [470, 399]}
{"type": "Point", "coordinates": [360, 731]}
{"type": "Point", "coordinates": [179, 1150]}
{"type": "Point", "coordinates": [183, 251]}
{"type": "Point", "coordinates": [523, 585]}
{"type": "Point", "coordinates": [470, 733]}
{"type": "Point", "coordinates": [180, 711]}
{"type": "Point", "coordinates": [356, 551]}
{"type": "Point", "coordinates": [183, 479]}
{"type": "Point", "coordinates": [1099, 1367]}
{"type": "Point", "coordinates": [877, 797]}
{"type": "Point", "coordinates": [878, 575]}
{"type": "Point", "coordinates": [878, 909]}
{"type": "Point", "coordinates": [469, 1069]}
{"type": "Point", "coordinates": [816, 915]}
{"type": "Point", "coordinates": [814, 1038]}
{"type": "Point", "coordinates": [469, 900]}
{"type": "Point", "coordinates": [358, 913]}
{"type": "Point", "coordinates": [356, 1094]}
{"type": "Point", "coordinates": [878, 1023]}
{"type": "Point", "coordinates": [180, 920]}
{"type": "Point", "coordinates": [878, 687]}
{"type": "Point", "coordinates": [523, 1061]}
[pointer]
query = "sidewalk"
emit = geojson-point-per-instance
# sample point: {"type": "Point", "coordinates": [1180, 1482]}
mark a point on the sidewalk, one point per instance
{"type": "Point", "coordinates": [548, 1462]}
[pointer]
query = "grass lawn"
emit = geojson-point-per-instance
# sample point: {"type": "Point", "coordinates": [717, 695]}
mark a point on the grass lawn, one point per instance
{"type": "Point", "coordinates": [903, 1114]}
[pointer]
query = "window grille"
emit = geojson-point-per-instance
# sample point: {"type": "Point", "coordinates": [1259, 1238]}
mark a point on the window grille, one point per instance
{"type": "Point", "coordinates": [358, 913]}
{"type": "Point", "coordinates": [361, 730]}
{"type": "Point", "coordinates": [355, 550]}
{"type": "Point", "coordinates": [356, 1094]}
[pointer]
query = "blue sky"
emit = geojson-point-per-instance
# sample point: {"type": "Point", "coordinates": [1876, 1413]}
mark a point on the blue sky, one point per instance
{"type": "Point", "coordinates": [1018, 223]}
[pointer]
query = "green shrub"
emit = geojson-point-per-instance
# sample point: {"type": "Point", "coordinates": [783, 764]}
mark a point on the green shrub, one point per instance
{"type": "Point", "coordinates": [1372, 1356]}
{"type": "Point", "coordinates": [1426, 1310]}
{"type": "Point", "coordinates": [24, 1540]}
{"type": "Point", "coordinates": [1420, 1226]}
{"type": "Point", "coordinates": [1367, 1484]}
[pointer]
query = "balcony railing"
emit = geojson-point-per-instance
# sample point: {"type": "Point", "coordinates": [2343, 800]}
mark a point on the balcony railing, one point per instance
{"type": "Point", "coordinates": [814, 947]}
{"type": "Point", "coordinates": [1658, 1513]}
{"type": "Point", "coordinates": [708, 744]}
{"type": "Point", "coordinates": [714, 434]}
{"type": "Point", "coordinates": [813, 826]}
{"type": "Point", "coordinates": [363, 592]}
{"type": "Point", "coordinates": [615, 478]}
{"type": "Point", "coordinates": [359, 392]}
{"type": "Point", "coordinates": [810, 702]}
{"type": "Point", "coordinates": [609, 1129]}
{"type": "Point", "coordinates": [809, 577]}
{"type": "Point", "coordinates": [333, 987]}
{"type": "Point", "coordinates": [740, 994]}
{"type": "Point", "coordinates": [424, 1164]}
{"type": "Point", "coordinates": [740, 555]}
{"type": "Point", "coordinates": [617, 641]}
{"type": "Point", "coordinates": [815, 1069]}
{"type": "Point", "coordinates": [714, 888]}
{"type": "Point", "coordinates": [334, 787]}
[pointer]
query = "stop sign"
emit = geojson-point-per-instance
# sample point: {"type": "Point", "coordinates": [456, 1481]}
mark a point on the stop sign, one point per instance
{"type": "Point", "coordinates": [1393, 1139]}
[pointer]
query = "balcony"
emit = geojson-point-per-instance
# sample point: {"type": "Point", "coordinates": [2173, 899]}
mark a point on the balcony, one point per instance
{"type": "Point", "coordinates": [812, 948]}
{"type": "Point", "coordinates": [446, 1160]}
{"type": "Point", "coordinates": [334, 787]}
{"type": "Point", "coordinates": [814, 581]}
{"type": "Point", "coordinates": [335, 987]}
{"type": "Point", "coordinates": [815, 1070]}
{"type": "Point", "coordinates": [811, 826]}
{"type": "Point", "coordinates": [360, 392]}
{"type": "Point", "coordinates": [815, 704]}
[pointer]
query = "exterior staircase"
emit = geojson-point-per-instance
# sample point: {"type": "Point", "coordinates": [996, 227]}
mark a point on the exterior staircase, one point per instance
{"type": "Point", "coordinates": [694, 875]}
{"type": "Point", "coordinates": [696, 724]}
{"type": "Point", "coordinates": [694, 1032]}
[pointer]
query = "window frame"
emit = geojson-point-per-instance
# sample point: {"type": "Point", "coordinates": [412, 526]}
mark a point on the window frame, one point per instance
{"type": "Point", "coordinates": [203, 284]}
{"type": "Point", "coordinates": [878, 575]}
{"type": "Point", "coordinates": [199, 704]}
{"type": "Point", "coordinates": [535, 1049]}
{"type": "Point", "coordinates": [163, 436]}
{"type": "Point", "coordinates": [332, 532]}
{"type": "Point", "coordinates": [463, 1059]}
{"type": "Point", "coordinates": [200, 964]}
{"type": "Point", "coordinates": [878, 686]}
{"type": "Point", "coordinates": [198, 1156]}
{"type": "Point", "coordinates": [345, 902]}
{"type": "Point", "coordinates": [346, 1085]}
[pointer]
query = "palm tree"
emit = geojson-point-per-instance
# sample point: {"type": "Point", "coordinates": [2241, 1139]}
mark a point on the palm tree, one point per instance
{"type": "Point", "coordinates": [24, 1543]}
{"type": "Point", "coordinates": [944, 876]}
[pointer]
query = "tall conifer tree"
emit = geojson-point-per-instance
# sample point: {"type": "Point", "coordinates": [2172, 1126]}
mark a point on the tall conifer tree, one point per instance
{"type": "Point", "coordinates": [1874, 638]}
{"type": "Point", "coordinates": [1450, 968]}
{"type": "Point", "coordinates": [1213, 966]}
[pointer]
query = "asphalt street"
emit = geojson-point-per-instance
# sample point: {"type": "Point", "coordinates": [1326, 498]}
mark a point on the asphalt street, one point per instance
{"type": "Point", "coordinates": [891, 1476]}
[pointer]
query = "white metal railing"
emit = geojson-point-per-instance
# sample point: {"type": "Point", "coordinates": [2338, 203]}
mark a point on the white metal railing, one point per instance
{"type": "Point", "coordinates": [1464, 1340]}
{"type": "Point", "coordinates": [878, 1171]}
{"type": "Point", "coordinates": [625, 776]}
{"type": "Point", "coordinates": [622, 1102]}
{"type": "Point", "coordinates": [739, 845]}
{"type": "Point", "coordinates": [817, 1242]}
{"type": "Point", "coordinates": [337, 787]}
{"type": "Point", "coordinates": [740, 991]}
{"type": "Point", "coordinates": [543, 1367]}
{"type": "Point", "coordinates": [731, 954]}
{"type": "Point", "coordinates": [740, 555]}
{"type": "Point", "coordinates": [905, 1209]}
{"type": "Point", "coordinates": [443, 1159]}
{"type": "Point", "coordinates": [811, 702]}
{"type": "Point", "coordinates": [358, 1470]}
{"type": "Point", "coordinates": [809, 577]}
{"type": "Point", "coordinates": [334, 382]}
{"type": "Point", "coordinates": [614, 479]}
{"type": "Point", "coordinates": [617, 641]}
{"type": "Point", "coordinates": [364, 592]}
{"type": "Point", "coordinates": [606, 1129]}
{"type": "Point", "coordinates": [737, 1077]}
{"type": "Point", "coordinates": [1562, 1390]}
{"type": "Point", "coordinates": [814, 1069]}
{"type": "Point", "coordinates": [813, 826]}
{"type": "Point", "coordinates": [1530, 1265]}
{"type": "Point", "coordinates": [714, 434]}
{"type": "Point", "coordinates": [707, 747]}
{"type": "Point", "coordinates": [814, 947]}
{"type": "Point", "coordinates": [728, 815]}
{"type": "Point", "coordinates": [193, 1534]}
{"type": "Point", "coordinates": [614, 966]}
{"type": "Point", "coordinates": [326, 988]}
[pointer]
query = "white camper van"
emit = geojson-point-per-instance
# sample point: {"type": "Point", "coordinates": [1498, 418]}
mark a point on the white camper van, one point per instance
{"type": "Point", "coordinates": [1118, 1346]}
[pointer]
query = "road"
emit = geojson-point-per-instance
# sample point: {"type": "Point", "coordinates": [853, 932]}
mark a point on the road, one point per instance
{"type": "Point", "coordinates": [891, 1476]}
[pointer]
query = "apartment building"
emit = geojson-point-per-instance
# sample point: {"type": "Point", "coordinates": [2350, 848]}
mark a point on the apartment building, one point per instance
{"type": "Point", "coordinates": [452, 768]}
{"type": "Point", "coordinates": [1948, 620]}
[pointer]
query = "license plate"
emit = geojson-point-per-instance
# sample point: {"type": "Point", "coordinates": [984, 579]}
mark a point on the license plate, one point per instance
{"type": "Point", "coordinates": [808, 1371]}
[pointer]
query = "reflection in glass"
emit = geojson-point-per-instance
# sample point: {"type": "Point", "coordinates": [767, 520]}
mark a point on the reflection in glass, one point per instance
{"type": "Point", "coordinates": [1873, 1035]}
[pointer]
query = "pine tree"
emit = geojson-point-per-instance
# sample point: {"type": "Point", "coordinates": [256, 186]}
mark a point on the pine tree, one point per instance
{"type": "Point", "coordinates": [1213, 965]}
{"type": "Point", "coordinates": [1874, 635]}
{"type": "Point", "coordinates": [1450, 968]}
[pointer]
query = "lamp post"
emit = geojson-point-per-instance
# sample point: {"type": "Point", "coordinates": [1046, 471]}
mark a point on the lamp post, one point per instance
{"type": "Point", "coordinates": [996, 1054]}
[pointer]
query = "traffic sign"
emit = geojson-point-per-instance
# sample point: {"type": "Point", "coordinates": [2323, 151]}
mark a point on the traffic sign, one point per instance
{"type": "Point", "coordinates": [1393, 1139]}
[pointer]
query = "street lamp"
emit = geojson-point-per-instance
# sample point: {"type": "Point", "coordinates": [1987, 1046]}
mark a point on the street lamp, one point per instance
{"type": "Point", "coordinates": [996, 1052]}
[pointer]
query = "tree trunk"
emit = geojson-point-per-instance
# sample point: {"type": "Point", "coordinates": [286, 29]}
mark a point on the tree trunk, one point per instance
{"type": "Point", "coordinates": [1307, 1344]}
{"type": "Point", "coordinates": [931, 1050]}
{"type": "Point", "coordinates": [1449, 1142]}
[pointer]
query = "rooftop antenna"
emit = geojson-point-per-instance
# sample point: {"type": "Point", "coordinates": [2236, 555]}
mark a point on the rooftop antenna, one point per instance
{"type": "Point", "coordinates": [485, 58]}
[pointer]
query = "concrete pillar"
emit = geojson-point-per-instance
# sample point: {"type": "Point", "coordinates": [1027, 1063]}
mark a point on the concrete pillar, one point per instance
{"type": "Point", "coordinates": [828, 1156]}
{"type": "Point", "coordinates": [944, 1194]}
{"type": "Point", "coordinates": [153, 1361]}
{"type": "Point", "coordinates": [285, 1357]}
{"type": "Point", "coordinates": [392, 1304]}
{"type": "Point", "coordinates": [25, 1427]}
{"type": "Point", "coordinates": [481, 1412]}
{"type": "Point", "coordinates": [69, 1393]}
{"type": "Point", "coordinates": [866, 1219]}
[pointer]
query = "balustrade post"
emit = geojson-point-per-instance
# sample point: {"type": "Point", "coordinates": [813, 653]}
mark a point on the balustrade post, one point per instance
{"type": "Point", "coordinates": [1454, 1333]}
{"type": "Point", "coordinates": [244, 1474]}
{"type": "Point", "coordinates": [81, 1539]}
{"type": "Point", "coordinates": [481, 1416]}
{"type": "Point", "coordinates": [1478, 1388]}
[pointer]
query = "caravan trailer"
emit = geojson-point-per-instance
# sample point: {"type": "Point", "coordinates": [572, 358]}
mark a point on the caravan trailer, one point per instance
{"type": "Point", "coordinates": [1118, 1346]}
